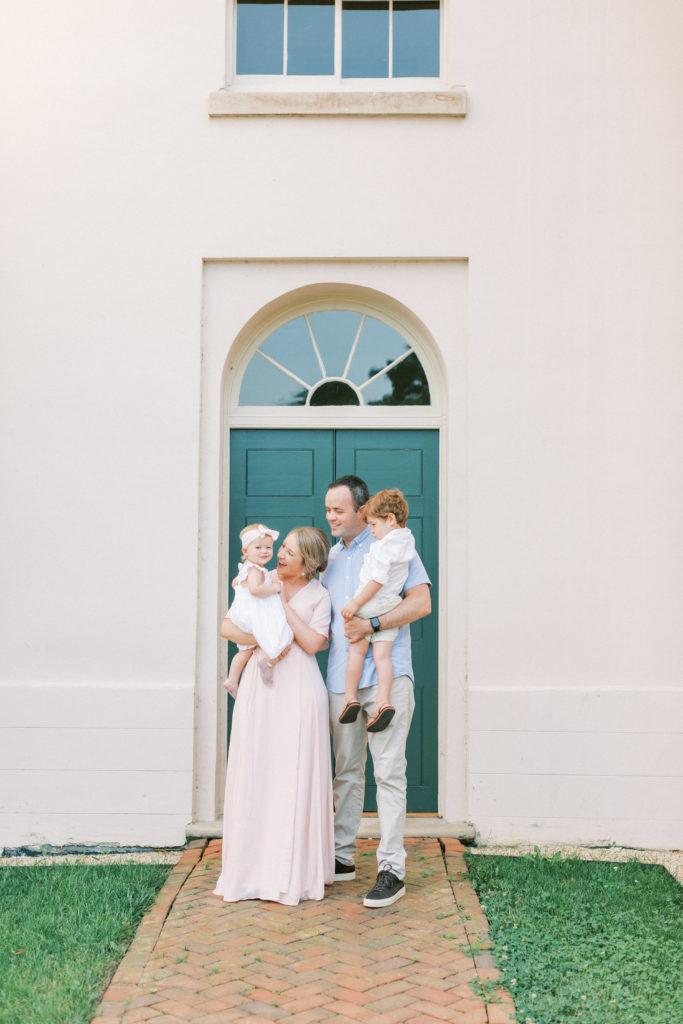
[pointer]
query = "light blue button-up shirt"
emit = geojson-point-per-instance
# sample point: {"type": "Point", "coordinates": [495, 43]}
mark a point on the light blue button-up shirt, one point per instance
{"type": "Point", "coordinates": [341, 579]}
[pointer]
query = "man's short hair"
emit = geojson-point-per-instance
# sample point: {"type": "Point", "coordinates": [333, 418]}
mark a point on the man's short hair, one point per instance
{"type": "Point", "coordinates": [360, 491]}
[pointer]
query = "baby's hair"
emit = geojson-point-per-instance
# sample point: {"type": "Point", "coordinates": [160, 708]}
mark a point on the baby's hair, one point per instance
{"type": "Point", "coordinates": [381, 504]}
{"type": "Point", "coordinates": [254, 526]}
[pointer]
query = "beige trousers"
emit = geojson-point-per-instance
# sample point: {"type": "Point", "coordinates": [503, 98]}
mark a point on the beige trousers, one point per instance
{"type": "Point", "coordinates": [388, 749]}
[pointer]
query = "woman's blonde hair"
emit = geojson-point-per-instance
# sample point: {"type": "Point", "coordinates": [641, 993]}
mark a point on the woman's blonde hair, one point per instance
{"type": "Point", "coordinates": [381, 504]}
{"type": "Point", "coordinates": [314, 547]}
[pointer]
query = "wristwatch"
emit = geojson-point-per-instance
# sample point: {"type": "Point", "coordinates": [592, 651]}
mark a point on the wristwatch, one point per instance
{"type": "Point", "coordinates": [374, 622]}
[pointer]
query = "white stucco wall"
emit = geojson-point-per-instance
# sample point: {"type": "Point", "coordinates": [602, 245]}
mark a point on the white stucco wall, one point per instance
{"type": "Point", "coordinates": [561, 190]}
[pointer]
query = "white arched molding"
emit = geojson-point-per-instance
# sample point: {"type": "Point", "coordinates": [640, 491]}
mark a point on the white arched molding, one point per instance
{"type": "Point", "coordinates": [317, 299]}
{"type": "Point", "coordinates": [238, 314]}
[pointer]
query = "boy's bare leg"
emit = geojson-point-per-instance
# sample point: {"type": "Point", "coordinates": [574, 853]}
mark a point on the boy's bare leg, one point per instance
{"type": "Point", "coordinates": [354, 670]}
{"type": "Point", "coordinates": [383, 713]}
{"type": "Point", "coordinates": [237, 666]}
{"type": "Point", "coordinates": [381, 652]}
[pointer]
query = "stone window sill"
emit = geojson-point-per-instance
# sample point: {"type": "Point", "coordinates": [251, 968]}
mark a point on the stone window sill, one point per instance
{"type": "Point", "coordinates": [444, 103]}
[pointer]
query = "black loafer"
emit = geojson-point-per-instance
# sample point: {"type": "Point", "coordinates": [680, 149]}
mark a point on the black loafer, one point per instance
{"type": "Point", "coordinates": [344, 872]}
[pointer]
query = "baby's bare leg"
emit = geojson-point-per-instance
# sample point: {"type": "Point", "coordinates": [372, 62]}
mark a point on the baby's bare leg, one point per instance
{"type": "Point", "coordinates": [237, 666]}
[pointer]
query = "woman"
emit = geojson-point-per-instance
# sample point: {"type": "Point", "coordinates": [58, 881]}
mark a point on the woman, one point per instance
{"type": "Point", "coordinates": [278, 840]}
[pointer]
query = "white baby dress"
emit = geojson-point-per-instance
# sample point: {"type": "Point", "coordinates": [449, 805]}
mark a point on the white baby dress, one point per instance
{"type": "Point", "coordinates": [262, 616]}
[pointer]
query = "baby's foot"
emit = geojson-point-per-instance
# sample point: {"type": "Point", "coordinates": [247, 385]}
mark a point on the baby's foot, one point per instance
{"type": "Point", "coordinates": [266, 670]}
{"type": "Point", "coordinates": [381, 718]}
{"type": "Point", "coordinates": [231, 686]}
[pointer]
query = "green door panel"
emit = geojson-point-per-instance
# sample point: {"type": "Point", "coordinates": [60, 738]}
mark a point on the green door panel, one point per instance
{"type": "Point", "coordinates": [280, 477]}
{"type": "Point", "coordinates": [409, 460]}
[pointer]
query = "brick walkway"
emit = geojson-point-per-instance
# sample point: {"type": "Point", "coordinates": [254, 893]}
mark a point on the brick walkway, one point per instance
{"type": "Point", "coordinates": [195, 958]}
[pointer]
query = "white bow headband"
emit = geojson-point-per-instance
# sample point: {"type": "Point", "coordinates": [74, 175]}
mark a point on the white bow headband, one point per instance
{"type": "Point", "coordinates": [258, 531]}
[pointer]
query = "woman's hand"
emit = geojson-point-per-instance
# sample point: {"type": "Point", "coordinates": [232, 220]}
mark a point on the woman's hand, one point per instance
{"type": "Point", "coordinates": [281, 655]}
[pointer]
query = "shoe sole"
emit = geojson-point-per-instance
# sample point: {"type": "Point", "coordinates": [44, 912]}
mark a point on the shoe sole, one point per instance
{"type": "Point", "coordinates": [347, 876]}
{"type": "Point", "coordinates": [383, 719]}
{"type": "Point", "coordinates": [349, 714]}
{"type": "Point", "coordinates": [367, 902]}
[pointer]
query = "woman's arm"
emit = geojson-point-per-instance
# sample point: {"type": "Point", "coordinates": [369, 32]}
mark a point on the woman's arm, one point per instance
{"type": "Point", "coordinates": [229, 631]}
{"type": "Point", "coordinates": [307, 638]}
{"type": "Point", "coordinates": [415, 605]}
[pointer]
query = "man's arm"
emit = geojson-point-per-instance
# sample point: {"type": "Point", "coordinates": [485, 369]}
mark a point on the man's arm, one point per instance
{"type": "Point", "coordinates": [415, 605]}
{"type": "Point", "coordinates": [229, 631]}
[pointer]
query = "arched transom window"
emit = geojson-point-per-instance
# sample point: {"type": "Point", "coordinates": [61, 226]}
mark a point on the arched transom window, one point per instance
{"type": "Point", "coordinates": [334, 357]}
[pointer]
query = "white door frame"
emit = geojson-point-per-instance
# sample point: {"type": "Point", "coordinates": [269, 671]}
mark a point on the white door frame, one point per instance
{"type": "Point", "coordinates": [239, 312]}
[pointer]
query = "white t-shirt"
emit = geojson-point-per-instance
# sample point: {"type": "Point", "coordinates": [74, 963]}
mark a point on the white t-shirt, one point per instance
{"type": "Point", "coordinates": [387, 562]}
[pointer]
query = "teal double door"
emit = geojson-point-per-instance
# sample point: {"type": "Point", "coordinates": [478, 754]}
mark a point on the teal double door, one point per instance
{"type": "Point", "coordinates": [280, 477]}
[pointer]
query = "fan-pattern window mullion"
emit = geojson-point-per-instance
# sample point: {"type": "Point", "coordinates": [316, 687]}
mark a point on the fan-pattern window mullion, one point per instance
{"type": "Point", "coordinates": [334, 357]}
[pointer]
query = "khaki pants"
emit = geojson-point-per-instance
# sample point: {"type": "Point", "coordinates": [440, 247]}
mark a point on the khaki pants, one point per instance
{"type": "Point", "coordinates": [388, 749]}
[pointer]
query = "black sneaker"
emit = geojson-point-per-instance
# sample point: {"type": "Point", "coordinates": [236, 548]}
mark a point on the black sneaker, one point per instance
{"type": "Point", "coordinates": [386, 890]}
{"type": "Point", "coordinates": [344, 872]}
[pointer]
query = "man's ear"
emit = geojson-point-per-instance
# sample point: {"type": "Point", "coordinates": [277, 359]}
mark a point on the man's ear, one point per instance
{"type": "Point", "coordinates": [360, 511]}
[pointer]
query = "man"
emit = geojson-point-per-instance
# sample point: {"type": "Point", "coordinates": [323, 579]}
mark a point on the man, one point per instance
{"type": "Point", "coordinates": [344, 503]}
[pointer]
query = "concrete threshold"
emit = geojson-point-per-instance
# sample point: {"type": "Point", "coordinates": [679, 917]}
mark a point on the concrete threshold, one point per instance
{"type": "Point", "coordinates": [416, 828]}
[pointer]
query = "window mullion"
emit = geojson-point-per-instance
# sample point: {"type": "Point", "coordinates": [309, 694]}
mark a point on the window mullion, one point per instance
{"type": "Point", "coordinates": [386, 369]}
{"type": "Point", "coordinates": [337, 40]}
{"type": "Point", "coordinates": [391, 38]}
{"type": "Point", "coordinates": [284, 36]}
{"type": "Point", "coordinates": [354, 347]}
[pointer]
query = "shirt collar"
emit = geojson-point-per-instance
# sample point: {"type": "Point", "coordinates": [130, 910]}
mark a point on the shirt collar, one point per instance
{"type": "Point", "coordinates": [340, 547]}
{"type": "Point", "coordinates": [360, 538]}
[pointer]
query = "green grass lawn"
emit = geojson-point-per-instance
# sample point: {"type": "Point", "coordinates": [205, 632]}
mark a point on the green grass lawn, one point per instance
{"type": "Point", "coordinates": [585, 942]}
{"type": "Point", "coordinates": [63, 930]}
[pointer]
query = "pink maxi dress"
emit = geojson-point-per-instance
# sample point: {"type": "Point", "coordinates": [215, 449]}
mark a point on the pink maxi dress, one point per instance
{"type": "Point", "coordinates": [278, 833]}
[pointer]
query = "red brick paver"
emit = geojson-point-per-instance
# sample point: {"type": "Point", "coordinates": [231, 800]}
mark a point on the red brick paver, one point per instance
{"type": "Point", "coordinates": [197, 959]}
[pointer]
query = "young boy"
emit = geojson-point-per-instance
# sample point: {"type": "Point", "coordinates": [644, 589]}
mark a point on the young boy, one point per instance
{"type": "Point", "coordinates": [382, 576]}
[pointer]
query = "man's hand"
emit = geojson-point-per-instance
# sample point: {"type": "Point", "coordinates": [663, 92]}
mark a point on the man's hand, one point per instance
{"type": "Point", "coordinates": [357, 629]}
{"type": "Point", "coordinates": [415, 605]}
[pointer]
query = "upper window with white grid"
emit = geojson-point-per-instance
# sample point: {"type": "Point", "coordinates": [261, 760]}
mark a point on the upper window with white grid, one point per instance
{"type": "Point", "coordinates": [338, 40]}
